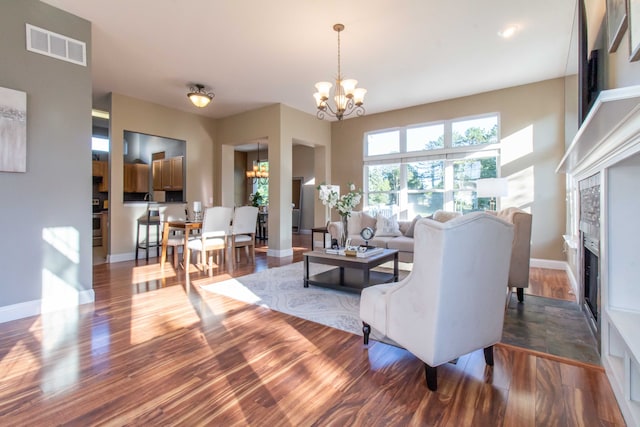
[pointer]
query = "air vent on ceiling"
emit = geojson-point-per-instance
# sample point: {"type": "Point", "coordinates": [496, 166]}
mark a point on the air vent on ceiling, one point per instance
{"type": "Point", "coordinates": [55, 45]}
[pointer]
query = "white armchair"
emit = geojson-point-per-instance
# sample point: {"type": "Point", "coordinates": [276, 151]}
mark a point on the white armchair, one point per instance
{"type": "Point", "coordinates": [452, 302]}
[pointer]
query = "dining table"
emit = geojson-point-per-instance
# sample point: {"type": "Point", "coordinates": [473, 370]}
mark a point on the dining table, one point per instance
{"type": "Point", "coordinates": [187, 227]}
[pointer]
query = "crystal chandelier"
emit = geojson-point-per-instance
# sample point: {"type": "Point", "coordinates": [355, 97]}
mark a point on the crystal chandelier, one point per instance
{"type": "Point", "coordinates": [347, 98]}
{"type": "Point", "coordinates": [259, 173]}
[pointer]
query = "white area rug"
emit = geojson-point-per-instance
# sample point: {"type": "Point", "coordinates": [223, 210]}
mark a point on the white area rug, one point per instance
{"type": "Point", "coordinates": [282, 289]}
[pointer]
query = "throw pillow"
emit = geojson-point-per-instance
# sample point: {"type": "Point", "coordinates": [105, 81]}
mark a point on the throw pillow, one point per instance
{"type": "Point", "coordinates": [359, 220]}
{"type": "Point", "coordinates": [412, 227]}
{"type": "Point", "coordinates": [354, 223]}
{"type": "Point", "coordinates": [387, 227]}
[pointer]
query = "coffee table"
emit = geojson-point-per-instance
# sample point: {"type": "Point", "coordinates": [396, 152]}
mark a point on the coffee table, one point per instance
{"type": "Point", "coordinates": [353, 273]}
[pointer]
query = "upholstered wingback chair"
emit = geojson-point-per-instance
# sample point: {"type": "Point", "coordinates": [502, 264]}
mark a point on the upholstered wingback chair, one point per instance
{"type": "Point", "coordinates": [452, 302]}
{"type": "Point", "coordinates": [521, 247]}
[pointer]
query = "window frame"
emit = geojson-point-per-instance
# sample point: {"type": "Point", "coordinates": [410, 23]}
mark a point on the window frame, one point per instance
{"type": "Point", "coordinates": [448, 154]}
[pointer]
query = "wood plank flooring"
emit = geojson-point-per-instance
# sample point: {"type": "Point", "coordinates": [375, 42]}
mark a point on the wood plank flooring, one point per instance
{"type": "Point", "coordinates": [151, 351]}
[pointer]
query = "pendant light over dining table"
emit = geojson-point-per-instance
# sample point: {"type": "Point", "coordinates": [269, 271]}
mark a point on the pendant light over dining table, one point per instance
{"type": "Point", "coordinates": [259, 173]}
{"type": "Point", "coordinates": [347, 98]}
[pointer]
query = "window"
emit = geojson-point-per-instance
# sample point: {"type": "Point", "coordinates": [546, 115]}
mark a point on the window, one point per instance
{"type": "Point", "coordinates": [422, 168]}
{"type": "Point", "coordinates": [99, 144]}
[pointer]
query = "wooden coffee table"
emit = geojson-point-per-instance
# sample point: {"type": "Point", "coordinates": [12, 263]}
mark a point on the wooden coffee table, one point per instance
{"type": "Point", "coordinates": [353, 273]}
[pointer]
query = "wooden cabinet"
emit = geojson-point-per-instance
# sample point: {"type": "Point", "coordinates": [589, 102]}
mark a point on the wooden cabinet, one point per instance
{"type": "Point", "coordinates": [167, 174]}
{"type": "Point", "coordinates": [101, 169]}
{"type": "Point", "coordinates": [136, 178]}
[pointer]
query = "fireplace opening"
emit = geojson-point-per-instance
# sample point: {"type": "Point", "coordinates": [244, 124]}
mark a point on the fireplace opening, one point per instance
{"type": "Point", "coordinates": [591, 276]}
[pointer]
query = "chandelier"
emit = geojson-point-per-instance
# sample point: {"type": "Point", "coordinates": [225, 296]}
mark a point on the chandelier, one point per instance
{"type": "Point", "coordinates": [199, 96]}
{"type": "Point", "coordinates": [259, 173]}
{"type": "Point", "coordinates": [347, 98]}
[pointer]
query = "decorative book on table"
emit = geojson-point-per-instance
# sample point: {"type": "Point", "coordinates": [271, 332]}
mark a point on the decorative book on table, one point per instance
{"type": "Point", "coordinates": [370, 251]}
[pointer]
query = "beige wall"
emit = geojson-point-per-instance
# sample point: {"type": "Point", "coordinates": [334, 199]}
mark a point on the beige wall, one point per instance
{"type": "Point", "coordinates": [280, 125]}
{"type": "Point", "coordinates": [532, 143]}
{"type": "Point", "coordinates": [140, 116]}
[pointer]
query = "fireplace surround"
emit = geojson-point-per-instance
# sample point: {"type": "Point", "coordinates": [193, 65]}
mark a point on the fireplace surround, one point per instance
{"type": "Point", "coordinates": [607, 145]}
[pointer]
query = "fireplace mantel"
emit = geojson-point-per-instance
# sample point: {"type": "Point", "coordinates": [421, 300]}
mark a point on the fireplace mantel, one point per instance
{"type": "Point", "coordinates": [608, 145]}
{"type": "Point", "coordinates": [611, 128]}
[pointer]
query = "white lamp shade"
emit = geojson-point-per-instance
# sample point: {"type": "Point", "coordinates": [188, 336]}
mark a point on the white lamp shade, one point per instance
{"type": "Point", "coordinates": [492, 187]}
{"type": "Point", "coordinates": [349, 85]}
{"type": "Point", "coordinates": [323, 89]}
{"type": "Point", "coordinates": [358, 95]}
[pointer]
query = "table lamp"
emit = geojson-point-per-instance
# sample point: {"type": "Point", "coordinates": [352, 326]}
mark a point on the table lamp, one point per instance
{"type": "Point", "coordinates": [492, 187]}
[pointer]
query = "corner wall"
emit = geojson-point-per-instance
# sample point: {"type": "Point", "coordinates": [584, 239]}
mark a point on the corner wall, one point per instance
{"type": "Point", "coordinates": [139, 116]}
{"type": "Point", "coordinates": [532, 138]}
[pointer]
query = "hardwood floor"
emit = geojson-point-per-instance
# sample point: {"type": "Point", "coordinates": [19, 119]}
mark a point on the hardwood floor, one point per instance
{"type": "Point", "coordinates": [151, 351]}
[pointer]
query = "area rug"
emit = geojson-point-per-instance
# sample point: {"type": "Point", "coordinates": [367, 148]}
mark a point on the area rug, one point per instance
{"type": "Point", "coordinates": [541, 324]}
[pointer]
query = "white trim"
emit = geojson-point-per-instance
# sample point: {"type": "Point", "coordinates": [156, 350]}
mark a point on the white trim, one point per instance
{"type": "Point", "coordinates": [280, 253]}
{"type": "Point", "coordinates": [305, 231]}
{"type": "Point", "coordinates": [129, 256]}
{"type": "Point", "coordinates": [34, 307]}
{"type": "Point", "coordinates": [548, 263]}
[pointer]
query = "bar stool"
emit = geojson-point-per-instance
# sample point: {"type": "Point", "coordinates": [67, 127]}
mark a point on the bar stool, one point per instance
{"type": "Point", "coordinates": [148, 221]}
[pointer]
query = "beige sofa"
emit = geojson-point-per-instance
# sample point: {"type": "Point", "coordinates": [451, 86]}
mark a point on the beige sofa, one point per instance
{"type": "Point", "coordinates": [521, 247]}
{"type": "Point", "coordinates": [389, 234]}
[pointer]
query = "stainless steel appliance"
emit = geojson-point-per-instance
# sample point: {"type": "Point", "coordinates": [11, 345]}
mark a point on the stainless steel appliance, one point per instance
{"type": "Point", "coordinates": [96, 221]}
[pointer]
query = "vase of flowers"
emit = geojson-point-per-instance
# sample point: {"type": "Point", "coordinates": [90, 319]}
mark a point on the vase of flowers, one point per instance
{"type": "Point", "coordinates": [344, 204]}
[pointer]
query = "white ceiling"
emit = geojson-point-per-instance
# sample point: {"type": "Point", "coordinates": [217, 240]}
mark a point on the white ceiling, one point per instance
{"type": "Point", "coordinates": [254, 53]}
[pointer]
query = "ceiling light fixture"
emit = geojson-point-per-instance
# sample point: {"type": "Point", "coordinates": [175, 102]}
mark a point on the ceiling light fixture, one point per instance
{"type": "Point", "coordinates": [259, 173]}
{"type": "Point", "coordinates": [348, 99]}
{"type": "Point", "coordinates": [199, 96]}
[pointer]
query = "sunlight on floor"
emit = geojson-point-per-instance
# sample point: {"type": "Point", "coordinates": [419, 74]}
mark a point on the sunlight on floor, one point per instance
{"type": "Point", "coordinates": [147, 324]}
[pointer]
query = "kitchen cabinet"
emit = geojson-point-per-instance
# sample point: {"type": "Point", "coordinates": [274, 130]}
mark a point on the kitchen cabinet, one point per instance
{"type": "Point", "coordinates": [136, 178]}
{"type": "Point", "coordinates": [167, 174]}
{"type": "Point", "coordinates": [101, 169]}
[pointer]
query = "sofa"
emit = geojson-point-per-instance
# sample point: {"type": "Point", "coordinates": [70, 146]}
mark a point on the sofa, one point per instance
{"type": "Point", "coordinates": [521, 247]}
{"type": "Point", "coordinates": [389, 232]}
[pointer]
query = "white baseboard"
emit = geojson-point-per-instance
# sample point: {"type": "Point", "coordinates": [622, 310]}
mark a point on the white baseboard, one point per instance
{"type": "Point", "coordinates": [548, 263]}
{"type": "Point", "coordinates": [280, 253]}
{"type": "Point", "coordinates": [34, 307]}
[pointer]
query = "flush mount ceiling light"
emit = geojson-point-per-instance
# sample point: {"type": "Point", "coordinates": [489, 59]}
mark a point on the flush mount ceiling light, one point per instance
{"type": "Point", "coordinates": [347, 98]}
{"type": "Point", "coordinates": [199, 96]}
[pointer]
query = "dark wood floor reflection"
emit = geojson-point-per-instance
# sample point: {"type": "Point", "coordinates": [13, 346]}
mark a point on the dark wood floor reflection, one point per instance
{"type": "Point", "coordinates": [152, 351]}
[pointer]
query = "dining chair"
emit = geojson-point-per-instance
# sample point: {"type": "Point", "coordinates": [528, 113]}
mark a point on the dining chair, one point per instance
{"type": "Point", "coordinates": [216, 226]}
{"type": "Point", "coordinates": [175, 240]}
{"type": "Point", "coordinates": [243, 233]}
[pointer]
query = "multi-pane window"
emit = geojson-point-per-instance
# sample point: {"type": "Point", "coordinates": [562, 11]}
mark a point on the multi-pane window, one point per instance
{"type": "Point", "coordinates": [420, 169]}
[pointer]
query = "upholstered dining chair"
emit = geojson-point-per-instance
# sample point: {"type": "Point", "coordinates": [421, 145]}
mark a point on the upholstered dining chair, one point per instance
{"type": "Point", "coordinates": [175, 240]}
{"type": "Point", "coordinates": [452, 302]}
{"type": "Point", "coordinates": [216, 226]}
{"type": "Point", "coordinates": [243, 233]}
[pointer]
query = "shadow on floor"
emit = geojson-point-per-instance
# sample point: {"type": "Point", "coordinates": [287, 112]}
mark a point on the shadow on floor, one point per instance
{"type": "Point", "coordinates": [550, 326]}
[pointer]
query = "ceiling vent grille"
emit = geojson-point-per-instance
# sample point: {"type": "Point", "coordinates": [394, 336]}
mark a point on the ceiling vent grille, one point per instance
{"type": "Point", "coordinates": [56, 46]}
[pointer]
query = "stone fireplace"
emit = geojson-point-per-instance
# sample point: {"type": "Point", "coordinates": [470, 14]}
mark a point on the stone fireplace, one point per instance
{"type": "Point", "coordinates": [589, 224]}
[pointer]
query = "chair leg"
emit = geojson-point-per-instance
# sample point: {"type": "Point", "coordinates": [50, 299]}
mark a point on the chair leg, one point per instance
{"type": "Point", "coordinates": [520, 292]}
{"type": "Point", "coordinates": [431, 372]}
{"type": "Point", "coordinates": [488, 355]}
{"type": "Point", "coordinates": [366, 330]}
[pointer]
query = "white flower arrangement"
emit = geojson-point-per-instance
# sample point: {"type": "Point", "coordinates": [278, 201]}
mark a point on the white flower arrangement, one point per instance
{"type": "Point", "coordinates": [344, 204]}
